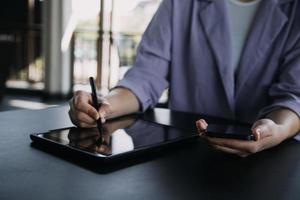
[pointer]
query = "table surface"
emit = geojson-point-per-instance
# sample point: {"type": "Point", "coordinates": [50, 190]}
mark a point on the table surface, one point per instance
{"type": "Point", "coordinates": [189, 171]}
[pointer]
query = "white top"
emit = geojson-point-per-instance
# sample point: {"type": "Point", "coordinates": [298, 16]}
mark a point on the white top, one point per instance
{"type": "Point", "coordinates": [241, 16]}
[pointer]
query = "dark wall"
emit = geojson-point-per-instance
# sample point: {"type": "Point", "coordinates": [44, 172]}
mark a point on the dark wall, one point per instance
{"type": "Point", "coordinates": [13, 11]}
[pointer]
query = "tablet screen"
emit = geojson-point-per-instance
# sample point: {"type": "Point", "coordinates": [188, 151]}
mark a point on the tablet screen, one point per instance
{"type": "Point", "coordinates": [119, 136]}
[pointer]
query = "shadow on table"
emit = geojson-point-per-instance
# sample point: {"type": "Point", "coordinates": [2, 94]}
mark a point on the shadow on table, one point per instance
{"type": "Point", "coordinates": [271, 174]}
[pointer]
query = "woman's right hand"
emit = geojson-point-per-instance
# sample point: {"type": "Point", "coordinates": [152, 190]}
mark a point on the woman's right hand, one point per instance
{"type": "Point", "coordinates": [83, 114]}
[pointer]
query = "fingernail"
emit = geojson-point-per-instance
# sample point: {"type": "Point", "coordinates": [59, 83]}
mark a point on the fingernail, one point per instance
{"type": "Point", "coordinates": [203, 122]}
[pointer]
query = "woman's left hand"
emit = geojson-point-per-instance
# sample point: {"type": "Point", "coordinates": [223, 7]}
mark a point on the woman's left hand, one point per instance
{"type": "Point", "coordinates": [266, 132]}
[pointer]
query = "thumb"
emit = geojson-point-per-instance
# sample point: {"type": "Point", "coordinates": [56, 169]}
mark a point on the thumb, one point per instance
{"type": "Point", "coordinates": [105, 109]}
{"type": "Point", "coordinates": [201, 126]}
{"type": "Point", "coordinates": [260, 131]}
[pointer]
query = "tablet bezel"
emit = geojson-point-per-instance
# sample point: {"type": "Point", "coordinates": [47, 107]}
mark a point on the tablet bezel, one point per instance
{"type": "Point", "coordinates": [37, 139]}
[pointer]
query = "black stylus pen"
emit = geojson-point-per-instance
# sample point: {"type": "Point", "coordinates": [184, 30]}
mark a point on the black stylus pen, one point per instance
{"type": "Point", "coordinates": [96, 104]}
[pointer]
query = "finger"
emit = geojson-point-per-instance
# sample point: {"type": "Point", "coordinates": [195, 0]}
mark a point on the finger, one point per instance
{"type": "Point", "coordinates": [230, 151]}
{"type": "Point", "coordinates": [206, 124]}
{"type": "Point", "coordinates": [261, 131]}
{"type": "Point", "coordinates": [84, 118]}
{"type": "Point", "coordinates": [102, 117]}
{"type": "Point", "coordinates": [85, 125]}
{"type": "Point", "coordinates": [244, 146]}
{"type": "Point", "coordinates": [201, 126]}
{"type": "Point", "coordinates": [104, 111]}
{"type": "Point", "coordinates": [200, 131]}
{"type": "Point", "coordinates": [81, 103]}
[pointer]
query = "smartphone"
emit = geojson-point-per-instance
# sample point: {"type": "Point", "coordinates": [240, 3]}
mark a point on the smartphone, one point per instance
{"type": "Point", "coordinates": [239, 132]}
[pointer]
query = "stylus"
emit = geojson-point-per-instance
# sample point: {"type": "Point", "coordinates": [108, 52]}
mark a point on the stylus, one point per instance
{"type": "Point", "coordinates": [96, 104]}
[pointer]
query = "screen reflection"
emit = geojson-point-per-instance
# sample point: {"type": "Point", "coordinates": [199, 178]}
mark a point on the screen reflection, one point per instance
{"type": "Point", "coordinates": [119, 136]}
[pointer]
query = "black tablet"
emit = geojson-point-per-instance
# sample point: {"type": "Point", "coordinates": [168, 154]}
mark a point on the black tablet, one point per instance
{"type": "Point", "coordinates": [121, 138]}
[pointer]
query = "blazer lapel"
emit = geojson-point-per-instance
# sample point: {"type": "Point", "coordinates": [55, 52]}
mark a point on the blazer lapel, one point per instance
{"type": "Point", "coordinates": [214, 21]}
{"type": "Point", "coordinates": [268, 23]}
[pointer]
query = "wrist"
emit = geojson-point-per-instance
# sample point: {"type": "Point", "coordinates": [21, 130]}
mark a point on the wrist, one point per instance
{"type": "Point", "coordinates": [122, 102]}
{"type": "Point", "coordinates": [287, 120]}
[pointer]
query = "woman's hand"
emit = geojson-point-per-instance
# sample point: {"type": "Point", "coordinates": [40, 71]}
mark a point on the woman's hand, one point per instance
{"type": "Point", "coordinates": [119, 102]}
{"type": "Point", "coordinates": [83, 114]}
{"type": "Point", "coordinates": [266, 132]}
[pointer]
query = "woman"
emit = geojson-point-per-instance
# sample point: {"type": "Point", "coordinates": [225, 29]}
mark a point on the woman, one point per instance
{"type": "Point", "coordinates": [226, 58]}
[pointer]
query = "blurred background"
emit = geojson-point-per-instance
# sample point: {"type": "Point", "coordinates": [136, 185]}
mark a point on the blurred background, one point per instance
{"type": "Point", "coordinates": [49, 48]}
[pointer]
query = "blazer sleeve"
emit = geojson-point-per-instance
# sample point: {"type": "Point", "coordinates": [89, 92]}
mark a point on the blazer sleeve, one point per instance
{"type": "Point", "coordinates": [148, 78]}
{"type": "Point", "coordinates": [285, 93]}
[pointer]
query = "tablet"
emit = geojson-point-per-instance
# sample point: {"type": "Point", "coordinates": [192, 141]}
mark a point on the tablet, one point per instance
{"type": "Point", "coordinates": [121, 138]}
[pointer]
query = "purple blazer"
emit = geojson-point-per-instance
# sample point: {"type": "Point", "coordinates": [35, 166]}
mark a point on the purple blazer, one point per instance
{"type": "Point", "coordinates": [186, 48]}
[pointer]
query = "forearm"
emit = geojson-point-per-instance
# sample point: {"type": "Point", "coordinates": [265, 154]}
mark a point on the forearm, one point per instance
{"type": "Point", "coordinates": [288, 121]}
{"type": "Point", "coordinates": [122, 102]}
